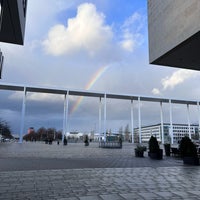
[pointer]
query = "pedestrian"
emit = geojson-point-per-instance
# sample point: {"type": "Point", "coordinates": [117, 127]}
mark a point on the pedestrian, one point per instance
{"type": "Point", "coordinates": [65, 141]}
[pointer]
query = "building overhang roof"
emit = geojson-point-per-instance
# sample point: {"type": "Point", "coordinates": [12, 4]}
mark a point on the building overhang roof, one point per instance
{"type": "Point", "coordinates": [13, 13]}
{"type": "Point", "coordinates": [185, 55]}
{"type": "Point", "coordinates": [87, 93]}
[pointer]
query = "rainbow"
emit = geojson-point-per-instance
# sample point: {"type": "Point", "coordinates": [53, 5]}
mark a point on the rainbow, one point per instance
{"type": "Point", "coordinates": [93, 80]}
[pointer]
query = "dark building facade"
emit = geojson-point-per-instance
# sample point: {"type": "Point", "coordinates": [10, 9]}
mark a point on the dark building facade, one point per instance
{"type": "Point", "coordinates": [12, 21]}
{"type": "Point", "coordinates": [174, 33]}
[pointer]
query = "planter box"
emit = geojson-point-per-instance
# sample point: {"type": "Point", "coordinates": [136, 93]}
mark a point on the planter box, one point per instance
{"type": "Point", "coordinates": [86, 144]}
{"type": "Point", "coordinates": [157, 156]}
{"type": "Point", "coordinates": [139, 153]}
{"type": "Point", "coordinates": [191, 160]}
{"type": "Point", "coordinates": [167, 149]}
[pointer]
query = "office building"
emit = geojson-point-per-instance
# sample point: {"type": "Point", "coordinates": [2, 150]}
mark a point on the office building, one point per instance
{"type": "Point", "coordinates": [179, 131]}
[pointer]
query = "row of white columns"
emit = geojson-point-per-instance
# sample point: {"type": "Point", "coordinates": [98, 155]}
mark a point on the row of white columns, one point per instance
{"type": "Point", "coordinates": [66, 108]}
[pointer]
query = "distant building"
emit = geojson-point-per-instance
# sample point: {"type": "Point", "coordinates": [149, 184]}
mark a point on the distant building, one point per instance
{"type": "Point", "coordinates": [31, 130]}
{"type": "Point", "coordinates": [16, 136]}
{"type": "Point", "coordinates": [98, 137]}
{"type": "Point", "coordinates": [179, 131]}
{"type": "Point", "coordinates": [174, 33]}
{"type": "Point", "coordinates": [74, 135]}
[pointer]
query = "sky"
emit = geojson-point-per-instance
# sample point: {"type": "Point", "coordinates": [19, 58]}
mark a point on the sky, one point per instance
{"type": "Point", "coordinates": [90, 45]}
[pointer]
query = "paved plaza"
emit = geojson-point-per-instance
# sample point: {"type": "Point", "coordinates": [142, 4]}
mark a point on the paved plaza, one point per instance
{"type": "Point", "coordinates": [42, 171]}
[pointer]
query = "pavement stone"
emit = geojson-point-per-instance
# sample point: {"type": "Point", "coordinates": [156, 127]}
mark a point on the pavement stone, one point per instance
{"type": "Point", "coordinates": [38, 171]}
{"type": "Point", "coordinates": [131, 196]}
{"type": "Point", "coordinates": [90, 198]}
{"type": "Point", "coordinates": [111, 197]}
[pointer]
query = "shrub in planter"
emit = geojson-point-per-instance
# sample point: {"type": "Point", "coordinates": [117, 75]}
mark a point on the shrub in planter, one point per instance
{"type": "Point", "coordinates": [153, 145]}
{"type": "Point", "coordinates": [154, 150]}
{"type": "Point", "coordinates": [167, 149]}
{"type": "Point", "coordinates": [65, 141]}
{"type": "Point", "coordinates": [185, 146]}
{"type": "Point", "coordinates": [139, 151]}
{"type": "Point", "coordinates": [86, 140]}
{"type": "Point", "coordinates": [188, 151]}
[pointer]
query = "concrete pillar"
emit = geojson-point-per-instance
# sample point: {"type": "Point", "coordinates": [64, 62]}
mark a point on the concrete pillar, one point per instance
{"type": "Point", "coordinates": [139, 121]}
{"type": "Point", "coordinates": [132, 123]}
{"type": "Point", "coordinates": [198, 117]}
{"type": "Point", "coordinates": [65, 114]}
{"type": "Point", "coordinates": [171, 124]}
{"type": "Point", "coordinates": [64, 119]}
{"type": "Point", "coordinates": [22, 116]}
{"type": "Point", "coordinates": [99, 118]}
{"type": "Point", "coordinates": [105, 117]}
{"type": "Point", "coordinates": [161, 122]}
{"type": "Point", "coordinates": [188, 119]}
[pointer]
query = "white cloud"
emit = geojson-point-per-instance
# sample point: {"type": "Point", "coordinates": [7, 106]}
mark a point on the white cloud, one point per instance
{"type": "Point", "coordinates": [156, 91]}
{"type": "Point", "coordinates": [177, 78]}
{"type": "Point", "coordinates": [131, 41]}
{"type": "Point", "coordinates": [40, 97]}
{"type": "Point", "coordinates": [16, 96]}
{"type": "Point", "coordinates": [44, 97]}
{"type": "Point", "coordinates": [39, 19]}
{"type": "Point", "coordinates": [87, 31]}
{"type": "Point", "coordinates": [131, 29]}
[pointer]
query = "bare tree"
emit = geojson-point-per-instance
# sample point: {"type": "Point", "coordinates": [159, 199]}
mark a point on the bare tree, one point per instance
{"type": "Point", "coordinates": [127, 133]}
{"type": "Point", "coordinates": [5, 129]}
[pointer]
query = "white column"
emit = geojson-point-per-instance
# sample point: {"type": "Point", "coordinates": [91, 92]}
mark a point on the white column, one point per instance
{"type": "Point", "coordinates": [99, 118]}
{"type": "Point", "coordinates": [171, 124]}
{"type": "Point", "coordinates": [198, 117]}
{"type": "Point", "coordinates": [22, 116]}
{"type": "Point", "coordinates": [65, 114]}
{"type": "Point", "coordinates": [105, 117]}
{"type": "Point", "coordinates": [64, 119]}
{"type": "Point", "coordinates": [139, 121]}
{"type": "Point", "coordinates": [132, 124]}
{"type": "Point", "coordinates": [188, 118]}
{"type": "Point", "coordinates": [161, 121]}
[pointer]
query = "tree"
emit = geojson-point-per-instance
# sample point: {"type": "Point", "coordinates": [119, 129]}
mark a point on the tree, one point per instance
{"type": "Point", "coordinates": [92, 135]}
{"type": "Point", "coordinates": [153, 145]}
{"type": "Point", "coordinates": [42, 133]}
{"type": "Point", "coordinates": [59, 135]}
{"type": "Point", "coordinates": [5, 130]}
{"type": "Point", "coordinates": [127, 133]}
{"type": "Point", "coordinates": [32, 136]}
{"type": "Point", "coordinates": [51, 133]}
